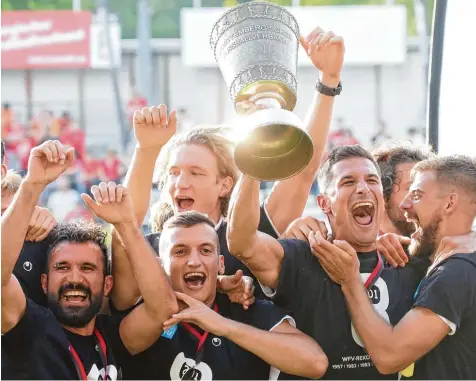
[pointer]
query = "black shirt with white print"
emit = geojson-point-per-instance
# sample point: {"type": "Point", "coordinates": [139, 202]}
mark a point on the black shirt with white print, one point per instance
{"type": "Point", "coordinates": [319, 307]}
{"type": "Point", "coordinates": [232, 264]}
{"type": "Point", "coordinates": [174, 353]}
{"type": "Point", "coordinates": [449, 290]}
{"type": "Point", "coordinates": [30, 265]}
{"type": "Point", "coordinates": [38, 348]}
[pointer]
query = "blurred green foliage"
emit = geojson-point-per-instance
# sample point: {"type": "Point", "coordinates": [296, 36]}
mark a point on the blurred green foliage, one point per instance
{"type": "Point", "coordinates": [165, 14]}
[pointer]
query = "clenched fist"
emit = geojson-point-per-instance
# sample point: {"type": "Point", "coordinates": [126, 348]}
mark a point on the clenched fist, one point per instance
{"type": "Point", "coordinates": [326, 51]}
{"type": "Point", "coordinates": [152, 128]}
{"type": "Point", "coordinates": [41, 223]}
{"type": "Point", "coordinates": [48, 161]}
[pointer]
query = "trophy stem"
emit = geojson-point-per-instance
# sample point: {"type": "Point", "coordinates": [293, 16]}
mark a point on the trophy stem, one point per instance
{"type": "Point", "coordinates": [268, 99]}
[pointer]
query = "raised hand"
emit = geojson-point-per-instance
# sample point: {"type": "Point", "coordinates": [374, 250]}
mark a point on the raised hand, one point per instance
{"type": "Point", "coordinates": [199, 314]}
{"type": "Point", "coordinates": [390, 245]}
{"type": "Point", "coordinates": [301, 227]}
{"type": "Point", "coordinates": [41, 223]}
{"type": "Point", "coordinates": [326, 51]}
{"type": "Point", "coordinates": [111, 203]}
{"type": "Point", "coordinates": [48, 161]}
{"type": "Point", "coordinates": [338, 259]}
{"type": "Point", "coordinates": [238, 287]}
{"type": "Point", "coordinates": [152, 128]}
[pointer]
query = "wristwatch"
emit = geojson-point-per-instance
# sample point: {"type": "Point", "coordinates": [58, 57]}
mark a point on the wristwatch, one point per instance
{"type": "Point", "coordinates": [329, 91]}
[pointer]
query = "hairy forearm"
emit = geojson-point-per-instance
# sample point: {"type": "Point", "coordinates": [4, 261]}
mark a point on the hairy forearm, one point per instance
{"type": "Point", "coordinates": [243, 216]}
{"type": "Point", "coordinates": [291, 353]}
{"type": "Point", "coordinates": [15, 223]}
{"type": "Point", "coordinates": [159, 298]}
{"type": "Point", "coordinates": [138, 180]}
{"type": "Point", "coordinates": [125, 292]}
{"type": "Point", "coordinates": [374, 331]}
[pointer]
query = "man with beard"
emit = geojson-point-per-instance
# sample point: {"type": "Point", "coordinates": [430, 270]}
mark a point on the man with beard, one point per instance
{"type": "Point", "coordinates": [439, 332]}
{"type": "Point", "coordinates": [70, 339]}
{"type": "Point", "coordinates": [32, 259]}
{"type": "Point", "coordinates": [395, 162]}
{"type": "Point", "coordinates": [352, 198]}
{"type": "Point", "coordinates": [213, 339]}
{"type": "Point", "coordinates": [198, 172]}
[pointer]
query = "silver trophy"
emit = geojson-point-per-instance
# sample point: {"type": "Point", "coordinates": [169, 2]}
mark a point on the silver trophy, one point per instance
{"type": "Point", "coordinates": [256, 47]}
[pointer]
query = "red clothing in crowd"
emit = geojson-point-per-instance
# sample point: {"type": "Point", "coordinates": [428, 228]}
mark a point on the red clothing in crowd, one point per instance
{"type": "Point", "coordinates": [136, 103]}
{"type": "Point", "coordinates": [111, 168]}
{"type": "Point", "coordinates": [74, 138]}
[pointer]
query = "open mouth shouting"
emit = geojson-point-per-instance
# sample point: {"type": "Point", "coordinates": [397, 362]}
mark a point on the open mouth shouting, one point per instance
{"type": "Point", "coordinates": [195, 280]}
{"type": "Point", "coordinates": [75, 297]}
{"type": "Point", "coordinates": [183, 203]}
{"type": "Point", "coordinates": [418, 230]}
{"type": "Point", "coordinates": [363, 213]}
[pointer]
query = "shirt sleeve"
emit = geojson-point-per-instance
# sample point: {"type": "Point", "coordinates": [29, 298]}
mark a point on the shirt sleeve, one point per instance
{"type": "Point", "coordinates": [153, 240]}
{"type": "Point", "coordinates": [265, 223]}
{"type": "Point", "coordinates": [265, 315]}
{"type": "Point", "coordinates": [299, 270]}
{"type": "Point", "coordinates": [448, 290]}
{"type": "Point", "coordinates": [32, 326]}
{"type": "Point", "coordinates": [110, 325]}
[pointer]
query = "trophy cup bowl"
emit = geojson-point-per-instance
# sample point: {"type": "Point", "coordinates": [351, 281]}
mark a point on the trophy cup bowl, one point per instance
{"type": "Point", "coordinates": [256, 47]}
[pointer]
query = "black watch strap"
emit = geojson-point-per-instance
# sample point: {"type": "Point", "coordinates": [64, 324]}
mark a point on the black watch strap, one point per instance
{"type": "Point", "coordinates": [329, 91]}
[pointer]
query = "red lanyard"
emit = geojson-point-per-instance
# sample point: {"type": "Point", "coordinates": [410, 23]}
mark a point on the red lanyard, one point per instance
{"type": "Point", "coordinates": [201, 338]}
{"type": "Point", "coordinates": [376, 272]}
{"type": "Point", "coordinates": [79, 364]}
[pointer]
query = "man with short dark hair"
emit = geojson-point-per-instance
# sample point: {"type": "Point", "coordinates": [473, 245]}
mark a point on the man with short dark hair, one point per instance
{"type": "Point", "coordinates": [70, 339]}
{"type": "Point", "coordinates": [440, 330]}
{"type": "Point", "coordinates": [213, 338]}
{"type": "Point", "coordinates": [352, 198]}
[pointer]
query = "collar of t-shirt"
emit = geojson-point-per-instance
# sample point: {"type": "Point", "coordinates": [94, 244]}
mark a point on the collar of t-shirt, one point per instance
{"type": "Point", "coordinates": [220, 223]}
{"type": "Point", "coordinates": [368, 260]}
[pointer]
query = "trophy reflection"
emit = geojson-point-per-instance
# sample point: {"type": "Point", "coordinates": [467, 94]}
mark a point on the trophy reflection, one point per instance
{"type": "Point", "coordinates": [256, 47]}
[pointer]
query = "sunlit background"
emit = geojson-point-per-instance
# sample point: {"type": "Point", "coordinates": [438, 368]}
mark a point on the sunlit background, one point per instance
{"type": "Point", "coordinates": [82, 72]}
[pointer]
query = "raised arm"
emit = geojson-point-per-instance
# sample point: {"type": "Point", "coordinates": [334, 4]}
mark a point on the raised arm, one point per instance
{"type": "Point", "coordinates": [143, 326]}
{"type": "Point", "coordinates": [283, 347]}
{"type": "Point", "coordinates": [261, 253]}
{"type": "Point", "coordinates": [47, 162]}
{"type": "Point", "coordinates": [326, 51]}
{"type": "Point", "coordinates": [152, 129]}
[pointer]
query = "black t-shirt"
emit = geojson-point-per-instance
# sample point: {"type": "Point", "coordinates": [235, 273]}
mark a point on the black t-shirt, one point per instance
{"type": "Point", "coordinates": [30, 265]}
{"type": "Point", "coordinates": [449, 290]}
{"type": "Point", "coordinates": [175, 351]}
{"type": "Point", "coordinates": [37, 348]}
{"type": "Point", "coordinates": [232, 264]}
{"type": "Point", "coordinates": [319, 307]}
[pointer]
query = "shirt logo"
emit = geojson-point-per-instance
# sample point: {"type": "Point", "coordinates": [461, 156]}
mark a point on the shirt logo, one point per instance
{"type": "Point", "coordinates": [27, 266]}
{"type": "Point", "coordinates": [170, 332]}
{"type": "Point", "coordinates": [182, 365]}
{"type": "Point", "coordinates": [216, 341]}
{"type": "Point", "coordinates": [96, 374]}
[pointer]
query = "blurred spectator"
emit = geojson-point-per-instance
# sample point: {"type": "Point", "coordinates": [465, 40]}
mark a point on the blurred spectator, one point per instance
{"type": "Point", "coordinates": [71, 134]}
{"type": "Point", "coordinates": [43, 125]}
{"type": "Point", "coordinates": [137, 102]}
{"type": "Point", "coordinates": [63, 200]}
{"type": "Point", "coordinates": [89, 172]}
{"type": "Point", "coordinates": [79, 211]}
{"type": "Point", "coordinates": [111, 167]}
{"type": "Point", "coordinates": [381, 136]}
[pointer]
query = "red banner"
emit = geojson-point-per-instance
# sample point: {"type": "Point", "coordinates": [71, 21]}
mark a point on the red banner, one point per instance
{"type": "Point", "coordinates": [45, 39]}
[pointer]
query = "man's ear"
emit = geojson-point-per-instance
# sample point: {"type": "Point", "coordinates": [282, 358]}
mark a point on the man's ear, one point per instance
{"type": "Point", "coordinates": [44, 283]}
{"type": "Point", "coordinates": [226, 186]}
{"type": "Point", "coordinates": [107, 285]}
{"type": "Point", "coordinates": [221, 265]}
{"type": "Point", "coordinates": [324, 203]}
{"type": "Point", "coordinates": [4, 170]}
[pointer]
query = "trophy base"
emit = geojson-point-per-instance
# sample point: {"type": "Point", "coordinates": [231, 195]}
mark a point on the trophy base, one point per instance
{"type": "Point", "coordinates": [283, 93]}
{"type": "Point", "coordinates": [276, 146]}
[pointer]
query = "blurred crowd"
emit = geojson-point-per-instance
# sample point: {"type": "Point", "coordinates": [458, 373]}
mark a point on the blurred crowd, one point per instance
{"type": "Point", "coordinates": [63, 196]}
